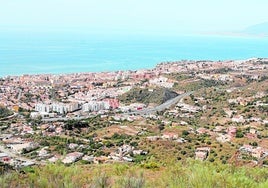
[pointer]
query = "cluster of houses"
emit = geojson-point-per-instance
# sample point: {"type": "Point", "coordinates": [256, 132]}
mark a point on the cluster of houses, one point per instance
{"type": "Point", "coordinates": [15, 162]}
{"type": "Point", "coordinates": [72, 157]}
{"type": "Point", "coordinates": [5, 158]}
{"type": "Point", "coordinates": [14, 147]}
{"type": "Point", "coordinates": [226, 134]}
{"type": "Point", "coordinates": [242, 119]}
{"type": "Point", "coordinates": [202, 153]}
{"type": "Point", "coordinates": [161, 82]}
{"type": "Point", "coordinates": [243, 101]}
{"type": "Point", "coordinates": [19, 145]}
{"type": "Point", "coordinates": [168, 136]}
{"type": "Point", "coordinates": [217, 77]}
{"type": "Point", "coordinates": [132, 107]}
{"type": "Point", "coordinates": [188, 108]}
{"type": "Point", "coordinates": [123, 153]}
{"type": "Point", "coordinates": [254, 151]}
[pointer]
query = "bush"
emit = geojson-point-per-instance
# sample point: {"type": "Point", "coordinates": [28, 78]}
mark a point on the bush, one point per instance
{"type": "Point", "coordinates": [132, 181]}
{"type": "Point", "coordinates": [185, 133]}
{"type": "Point", "coordinates": [150, 165]}
{"type": "Point", "coordinates": [212, 160]}
{"type": "Point", "coordinates": [254, 144]}
{"type": "Point", "coordinates": [53, 175]}
{"type": "Point", "coordinates": [101, 181]}
{"type": "Point", "coordinates": [135, 144]}
{"type": "Point", "coordinates": [239, 134]}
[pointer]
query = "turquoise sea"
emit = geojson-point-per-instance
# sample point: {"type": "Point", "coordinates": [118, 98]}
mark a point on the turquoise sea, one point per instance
{"type": "Point", "coordinates": [49, 53]}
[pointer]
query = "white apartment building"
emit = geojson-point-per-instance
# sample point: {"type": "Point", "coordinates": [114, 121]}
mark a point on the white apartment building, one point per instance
{"type": "Point", "coordinates": [94, 106]}
{"type": "Point", "coordinates": [42, 107]}
{"type": "Point", "coordinates": [61, 108]}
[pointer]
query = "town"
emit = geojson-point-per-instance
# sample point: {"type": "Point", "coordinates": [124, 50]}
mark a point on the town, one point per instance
{"type": "Point", "coordinates": [204, 110]}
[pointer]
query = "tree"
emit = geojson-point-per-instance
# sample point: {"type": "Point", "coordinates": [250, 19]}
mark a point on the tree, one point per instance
{"type": "Point", "coordinates": [254, 144]}
{"type": "Point", "coordinates": [185, 133]}
{"type": "Point", "coordinates": [239, 134]}
{"type": "Point", "coordinates": [161, 127]}
{"type": "Point", "coordinates": [4, 112]}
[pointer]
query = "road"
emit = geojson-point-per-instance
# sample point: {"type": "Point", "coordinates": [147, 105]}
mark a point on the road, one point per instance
{"type": "Point", "coordinates": [9, 117]}
{"type": "Point", "coordinates": [65, 118]}
{"type": "Point", "coordinates": [163, 106]}
{"type": "Point", "coordinates": [15, 156]}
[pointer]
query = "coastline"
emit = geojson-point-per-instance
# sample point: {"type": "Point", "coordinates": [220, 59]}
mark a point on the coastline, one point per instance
{"type": "Point", "coordinates": [179, 62]}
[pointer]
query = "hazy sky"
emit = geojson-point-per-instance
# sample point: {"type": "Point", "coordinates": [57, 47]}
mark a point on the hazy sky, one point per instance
{"type": "Point", "coordinates": [133, 16]}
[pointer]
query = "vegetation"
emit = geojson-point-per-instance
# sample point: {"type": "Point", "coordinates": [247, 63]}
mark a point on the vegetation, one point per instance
{"type": "Point", "coordinates": [146, 96]}
{"type": "Point", "coordinates": [188, 174]}
{"type": "Point", "coordinates": [4, 112]}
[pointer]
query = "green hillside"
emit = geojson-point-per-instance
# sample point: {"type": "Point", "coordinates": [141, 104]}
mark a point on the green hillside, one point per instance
{"type": "Point", "coordinates": [146, 96]}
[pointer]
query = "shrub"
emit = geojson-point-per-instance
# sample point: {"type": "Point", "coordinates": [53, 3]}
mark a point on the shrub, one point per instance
{"type": "Point", "coordinates": [212, 160]}
{"type": "Point", "coordinates": [132, 181]}
{"type": "Point", "coordinates": [151, 165]}
{"type": "Point", "coordinates": [101, 181]}
{"type": "Point", "coordinates": [239, 134]}
{"type": "Point", "coordinates": [185, 133]}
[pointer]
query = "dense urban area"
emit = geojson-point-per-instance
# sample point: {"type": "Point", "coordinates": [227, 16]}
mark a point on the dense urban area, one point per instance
{"type": "Point", "coordinates": [206, 115]}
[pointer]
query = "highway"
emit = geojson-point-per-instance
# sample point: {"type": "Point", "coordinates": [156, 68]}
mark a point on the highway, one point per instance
{"type": "Point", "coordinates": [163, 106]}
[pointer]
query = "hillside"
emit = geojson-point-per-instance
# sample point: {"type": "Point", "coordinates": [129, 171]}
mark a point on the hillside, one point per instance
{"type": "Point", "coordinates": [146, 96]}
{"type": "Point", "coordinates": [216, 136]}
{"type": "Point", "coordinates": [150, 174]}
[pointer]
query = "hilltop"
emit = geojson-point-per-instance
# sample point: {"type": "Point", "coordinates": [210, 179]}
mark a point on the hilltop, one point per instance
{"type": "Point", "coordinates": [148, 96]}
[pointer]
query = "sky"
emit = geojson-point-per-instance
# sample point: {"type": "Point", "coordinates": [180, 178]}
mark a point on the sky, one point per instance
{"type": "Point", "coordinates": [132, 16]}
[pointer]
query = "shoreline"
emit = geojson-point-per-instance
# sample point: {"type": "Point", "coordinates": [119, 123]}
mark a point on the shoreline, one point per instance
{"type": "Point", "coordinates": [182, 62]}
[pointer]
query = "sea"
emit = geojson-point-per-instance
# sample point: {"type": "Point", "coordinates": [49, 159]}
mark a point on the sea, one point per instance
{"type": "Point", "coordinates": [73, 53]}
